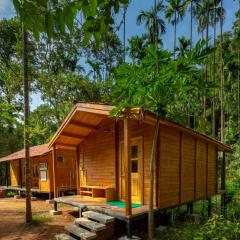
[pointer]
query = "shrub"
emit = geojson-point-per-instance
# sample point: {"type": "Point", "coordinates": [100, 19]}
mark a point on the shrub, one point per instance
{"type": "Point", "coordinates": [219, 228]}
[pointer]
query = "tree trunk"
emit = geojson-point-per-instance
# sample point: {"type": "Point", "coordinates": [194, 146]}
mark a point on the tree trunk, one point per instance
{"type": "Point", "coordinates": [124, 33]}
{"type": "Point", "coordinates": [206, 69]}
{"type": "Point", "coordinates": [214, 77]}
{"type": "Point", "coordinates": [238, 91]}
{"type": "Point", "coordinates": [222, 77]}
{"type": "Point", "coordinates": [191, 25]}
{"type": "Point", "coordinates": [175, 34]}
{"type": "Point", "coordinates": [26, 125]}
{"type": "Point", "coordinates": [151, 194]}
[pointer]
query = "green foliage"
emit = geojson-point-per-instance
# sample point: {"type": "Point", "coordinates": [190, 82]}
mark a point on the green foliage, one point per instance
{"type": "Point", "coordinates": [57, 16]}
{"type": "Point", "coordinates": [157, 82]}
{"type": "Point", "coordinates": [219, 228]}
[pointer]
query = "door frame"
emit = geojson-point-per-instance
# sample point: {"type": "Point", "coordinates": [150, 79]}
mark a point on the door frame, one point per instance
{"type": "Point", "coordinates": [141, 172]}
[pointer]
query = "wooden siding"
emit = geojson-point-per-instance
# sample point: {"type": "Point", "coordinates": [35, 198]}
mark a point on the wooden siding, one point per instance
{"type": "Point", "coordinates": [66, 170]}
{"type": "Point", "coordinates": [187, 168]}
{"type": "Point", "coordinates": [201, 168]}
{"type": "Point", "coordinates": [98, 158]}
{"type": "Point", "coordinates": [212, 171]}
{"type": "Point", "coordinates": [14, 173]}
{"type": "Point", "coordinates": [169, 167]}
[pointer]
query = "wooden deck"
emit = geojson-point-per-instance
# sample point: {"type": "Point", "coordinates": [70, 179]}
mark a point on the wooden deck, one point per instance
{"type": "Point", "coordinates": [23, 189]}
{"type": "Point", "coordinates": [98, 205]}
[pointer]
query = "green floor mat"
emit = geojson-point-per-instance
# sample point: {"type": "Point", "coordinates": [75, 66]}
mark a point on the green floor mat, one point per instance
{"type": "Point", "coordinates": [123, 204]}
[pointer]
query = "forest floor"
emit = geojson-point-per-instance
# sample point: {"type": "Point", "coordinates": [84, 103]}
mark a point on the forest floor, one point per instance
{"type": "Point", "coordinates": [44, 226]}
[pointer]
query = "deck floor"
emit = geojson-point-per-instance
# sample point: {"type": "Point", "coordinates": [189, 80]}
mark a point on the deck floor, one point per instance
{"type": "Point", "coordinates": [99, 205]}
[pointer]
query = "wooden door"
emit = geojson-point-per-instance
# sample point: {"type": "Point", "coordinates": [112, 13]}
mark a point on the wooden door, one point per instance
{"type": "Point", "coordinates": [136, 170]}
{"type": "Point", "coordinates": [35, 176]}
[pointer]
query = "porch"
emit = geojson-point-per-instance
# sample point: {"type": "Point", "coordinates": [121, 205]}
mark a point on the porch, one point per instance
{"type": "Point", "coordinates": [85, 203]}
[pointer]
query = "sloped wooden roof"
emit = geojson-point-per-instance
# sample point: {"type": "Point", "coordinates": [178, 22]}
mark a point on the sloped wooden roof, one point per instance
{"type": "Point", "coordinates": [35, 151]}
{"type": "Point", "coordinates": [84, 118]}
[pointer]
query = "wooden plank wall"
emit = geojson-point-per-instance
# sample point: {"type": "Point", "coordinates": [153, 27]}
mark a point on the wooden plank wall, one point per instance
{"type": "Point", "coordinates": [98, 158]}
{"type": "Point", "coordinates": [66, 170]}
{"type": "Point", "coordinates": [169, 167]}
{"type": "Point", "coordinates": [187, 168]}
{"type": "Point", "coordinates": [212, 170]}
{"type": "Point", "coordinates": [14, 173]}
{"type": "Point", "coordinates": [201, 167]}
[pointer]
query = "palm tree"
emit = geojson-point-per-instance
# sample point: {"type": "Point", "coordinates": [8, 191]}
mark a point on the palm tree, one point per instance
{"type": "Point", "coordinates": [154, 24]}
{"type": "Point", "coordinates": [215, 14]}
{"type": "Point", "coordinates": [174, 13]}
{"type": "Point", "coordinates": [184, 46]}
{"type": "Point", "coordinates": [26, 125]}
{"type": "Point", "coordinates": [222, 75]}
{"type": "Point", "coordinates": [192, 5]}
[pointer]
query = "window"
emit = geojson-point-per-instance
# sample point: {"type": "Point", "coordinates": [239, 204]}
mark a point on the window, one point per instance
{"type": "Point", "coordinates": [134, 158]}
{"type": "Point", "coordinates": [60, 159]}
{"type": "Point", "coordinates": [134, 150]}
{"type": "Point", "coordinates": [134, 166]}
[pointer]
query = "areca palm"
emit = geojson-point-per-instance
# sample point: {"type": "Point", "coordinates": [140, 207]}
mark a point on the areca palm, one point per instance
{"type": "Point", "coordinates": [174, 13]}
{"type": "Point", "coordinates": [184, 46]}
{"type": "Point", "coordinates": [192, 5]}
{"type": "Point", "coordinates": [155, 25]}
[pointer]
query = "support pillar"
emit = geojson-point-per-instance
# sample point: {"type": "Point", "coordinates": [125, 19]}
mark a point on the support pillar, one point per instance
{"type": "Point", "coordinates": [54, 171]}
{"type": "Point", "coordinates": [6, 169]}
{"type": "Point", "coordinates": [209, 200]}
{"type": "Point", "coordinates": [20, 173]}
{"type": "Point", "coordinates": [77, 169]}
{"type": "Point", "coordinates": [223, 186]}
{"type": "Point", "coordinates": [127, 167]}
{"type": "Point", "coordinates": [129, 228]}
{"type": "Point", "coordinates": [190, 208]}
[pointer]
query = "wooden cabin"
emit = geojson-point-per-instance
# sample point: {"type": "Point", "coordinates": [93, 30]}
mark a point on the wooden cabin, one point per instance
{"type": "Point", "coordinates": [41, 169]}
{"type": "Point", "coordinates": [113, 158]}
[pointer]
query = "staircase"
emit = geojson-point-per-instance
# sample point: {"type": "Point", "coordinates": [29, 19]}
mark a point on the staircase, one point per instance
{"type": "Point", "coordinates": [92, 225]}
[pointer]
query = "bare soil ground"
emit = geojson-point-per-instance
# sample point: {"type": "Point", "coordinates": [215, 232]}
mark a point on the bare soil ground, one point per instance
{"type": "Point", "coordinates": [45, 226]}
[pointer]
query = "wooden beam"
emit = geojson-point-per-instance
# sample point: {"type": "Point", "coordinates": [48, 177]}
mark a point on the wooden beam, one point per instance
{"type": "Point", "coordinates": [223, 176]}
{"type": "Point", "coordinates": [207, 170]}
{"type": "Point", "coordinates": [223, 186]}
{"type": "Point", "coordinates": [65, 145]}
{"type": "Point", "coordinates": [195, 169]}
{"type": "Point", "coordinates": [127, 160]}
{"type": "Point", "coordinates": [216, 172]}
{"type": "Point", "coordinates": [157, 169]}
{"type": "Point", "coordinates": [6, 166]}
{"type": "Point", "coordinates": [117, 158]}
{"type": "Point", "coordinates": [180, 168]}
{"type": "Point", "coordinates": [20, 172]}
{"type": "Point", "coordinates": [54, 158]}
{"type": "Point", "coordinates": [77, 169]}
{"type": "Point", "coordinates": [82, 124]}
{"type": "Point", "coordinates": [72, 135]}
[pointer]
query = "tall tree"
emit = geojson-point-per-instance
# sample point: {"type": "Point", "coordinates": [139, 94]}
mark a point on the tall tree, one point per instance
{"type": "Point", "coordinates": [174, 13]}
{"type": "Point", "coordinates": [153, 23]}
{"type": "Point", "coordinates": [222, 100]}
{"type": "Point", "coordinates": [26, 125]}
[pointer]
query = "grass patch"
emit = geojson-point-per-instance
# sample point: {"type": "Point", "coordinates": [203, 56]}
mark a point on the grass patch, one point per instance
{"type": "Point", "coordinates": [39, 219]}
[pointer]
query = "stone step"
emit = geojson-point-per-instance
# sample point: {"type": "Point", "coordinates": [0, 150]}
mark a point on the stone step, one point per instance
{"type": "Point", "coordinates": [89, 224]}
{"type": "Point", "coordinates": [99, 217]}
{"type": "Point", "coordinates": [64, 236]}
{"type": "Point", "coordinates": [82, 233]}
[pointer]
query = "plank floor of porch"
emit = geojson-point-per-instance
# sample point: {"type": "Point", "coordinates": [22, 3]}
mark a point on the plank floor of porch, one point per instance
{"type": "Point", "coordinates": [99, 205]}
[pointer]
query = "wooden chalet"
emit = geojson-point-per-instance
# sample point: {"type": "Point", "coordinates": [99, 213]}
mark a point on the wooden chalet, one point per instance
{"type": "Point", "coordinates": [41, 169]}
{"type": "Point", "coordinates": [113, 158]}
